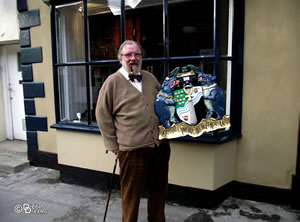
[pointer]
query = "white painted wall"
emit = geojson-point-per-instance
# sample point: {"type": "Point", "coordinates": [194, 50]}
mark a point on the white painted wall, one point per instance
{"type": "Point", "coordinates": [9, 24]}
{"type": "Point", "coordinates": [9, 33]}
{"type": "Point", "coordinates": [2, 120]}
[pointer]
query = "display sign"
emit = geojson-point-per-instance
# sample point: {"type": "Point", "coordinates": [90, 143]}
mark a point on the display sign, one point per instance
{"type": "Point", "coordinates": [177, 102]}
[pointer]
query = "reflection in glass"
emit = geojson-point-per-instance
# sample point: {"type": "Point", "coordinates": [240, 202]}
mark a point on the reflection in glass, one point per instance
{"type": "Point", "coordinates": [104, 28]}
{"type": "Point", "coordinates": [191, 27]}
{"type": "Point", "coordinates": [156, 68]}
{"type": "Point", "coordinates": [226, 27]}
{"type": "Point", "coordinates": [70, 33]}
{"type": "Point", "coordinates": [225, 82]}
{"type": "Point", "coordinates": [206, 66]}
{"type": "Point", "coordinates": [148, 32]}
{"type": "Point", "coordinates": [104, 31]}
{"type": "Point", "coordinates": [99, 74]}
{"type": "Point", "coordinates": [72, 93]}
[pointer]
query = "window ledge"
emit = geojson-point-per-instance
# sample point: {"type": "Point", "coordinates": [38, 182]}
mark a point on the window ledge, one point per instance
{"type": "Point", "coordinates": [76, 127]}
{"type": "Point", "coordinates": [212, 138]}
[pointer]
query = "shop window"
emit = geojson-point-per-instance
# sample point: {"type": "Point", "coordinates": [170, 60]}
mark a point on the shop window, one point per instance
{"type": "Point", "coordinates": [191, 29]}
{"type": "Point", "coordinates": [86, 36]}
{"type": "Point", "coordinates": [70, 33]}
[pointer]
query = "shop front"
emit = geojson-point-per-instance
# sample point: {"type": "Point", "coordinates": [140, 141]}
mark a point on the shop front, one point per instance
{"type": "Point", "coordinates": [73, 49]}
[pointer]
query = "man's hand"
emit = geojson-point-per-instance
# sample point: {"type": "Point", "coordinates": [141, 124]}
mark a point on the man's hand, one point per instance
{"type": "Point", "coordinates": [116, 152]}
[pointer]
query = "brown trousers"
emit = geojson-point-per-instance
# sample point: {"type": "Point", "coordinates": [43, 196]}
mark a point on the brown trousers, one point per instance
{"type": "Point", "coordinates": [146, 167]}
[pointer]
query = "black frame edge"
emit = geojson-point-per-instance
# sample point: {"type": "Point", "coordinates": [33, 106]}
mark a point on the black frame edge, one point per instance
{"type": "Point", "coordinates": [296, 178]}
{"type": "Point", "coordinates": [86, 177]}
{"type": "Point", "coordinates": [44, 159]}
{"type": "Point", "coordinates": [22, 5]}
{"type": "Point", "coordinates": [260, 193]}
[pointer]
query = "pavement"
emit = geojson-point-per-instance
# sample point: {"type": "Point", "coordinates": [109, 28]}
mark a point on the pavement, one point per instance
{"type": "Point", "coordinates": [36, 194]}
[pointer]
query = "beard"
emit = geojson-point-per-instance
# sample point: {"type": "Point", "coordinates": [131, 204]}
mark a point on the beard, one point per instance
{"type": "Point", "coordinates": [135, 67]}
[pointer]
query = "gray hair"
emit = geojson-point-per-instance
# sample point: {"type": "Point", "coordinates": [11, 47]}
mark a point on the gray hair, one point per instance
{"type": "Point", "coordinates": [129, 42]}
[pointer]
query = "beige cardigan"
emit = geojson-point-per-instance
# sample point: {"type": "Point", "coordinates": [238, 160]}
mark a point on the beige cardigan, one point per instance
{"type": "Point", "coordinates": [125, 116]}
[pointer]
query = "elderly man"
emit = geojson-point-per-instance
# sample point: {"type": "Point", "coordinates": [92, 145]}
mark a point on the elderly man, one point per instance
{"type": "Point", "coordinates": [129, 126]}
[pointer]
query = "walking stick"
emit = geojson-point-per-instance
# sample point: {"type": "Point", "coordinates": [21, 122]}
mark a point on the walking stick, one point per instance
{"type": "Point", "coordinates": [110, 188]}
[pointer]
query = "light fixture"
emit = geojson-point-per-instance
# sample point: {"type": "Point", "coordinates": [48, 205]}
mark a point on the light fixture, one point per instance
{"type": "Point", "coordinates": [189, 29]}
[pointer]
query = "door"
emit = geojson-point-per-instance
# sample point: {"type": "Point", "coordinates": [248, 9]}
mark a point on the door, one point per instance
{"type": "Point", "coordinates": [15, 116]}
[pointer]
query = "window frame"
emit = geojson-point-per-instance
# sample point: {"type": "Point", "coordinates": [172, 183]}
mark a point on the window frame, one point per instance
{"type": "Point", "coordinates": [236, 59]}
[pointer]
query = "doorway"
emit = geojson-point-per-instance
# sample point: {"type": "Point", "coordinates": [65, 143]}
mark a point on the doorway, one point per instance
{"type": "Point", "coordinates": [14, 112]}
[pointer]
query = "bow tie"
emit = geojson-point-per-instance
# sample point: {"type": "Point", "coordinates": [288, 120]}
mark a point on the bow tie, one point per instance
{"type": "Point", "coordinates": [133, 76]}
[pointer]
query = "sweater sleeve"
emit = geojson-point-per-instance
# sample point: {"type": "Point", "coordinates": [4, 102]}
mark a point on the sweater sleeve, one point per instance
{"type": "Point", "coordinates": [104, 117]}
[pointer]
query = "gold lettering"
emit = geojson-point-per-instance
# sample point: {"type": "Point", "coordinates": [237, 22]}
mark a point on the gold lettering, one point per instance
{"type": "Point", "coordinates": [183, 129]}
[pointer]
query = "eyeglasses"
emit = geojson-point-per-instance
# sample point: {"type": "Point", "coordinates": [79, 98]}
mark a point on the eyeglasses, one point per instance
{"type": "Point", "coordinates": [129, 55]}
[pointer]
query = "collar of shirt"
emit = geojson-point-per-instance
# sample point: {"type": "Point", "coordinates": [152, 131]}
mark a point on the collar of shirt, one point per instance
{"type": "Point", "coordinates": [135, 83]}
{"type": "Point", "coordinates": [125, 73]}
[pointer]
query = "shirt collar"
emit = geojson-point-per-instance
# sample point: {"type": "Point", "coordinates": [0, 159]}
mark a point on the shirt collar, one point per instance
{"type": "Point", "coordinates": [125, 73]}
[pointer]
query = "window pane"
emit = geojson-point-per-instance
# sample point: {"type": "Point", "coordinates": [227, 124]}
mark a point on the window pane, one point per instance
{"type": "Point", "coordinates": [72, 93]}
{"type": "Point", "coordinates": [155, 67]}
{"type": "Point", "coordinates": [144, 24]}
{"type": "Point", "coordinates": [226, 27]}
{"type": "Point", "coordinates": [104, 31]}
{"type": "Point", "coordinates": [206, 66]}
{"type": "Point", "coordinates": [191, 27]}
{"type": "Point", "coordinates": [70, 32]}
{"type": "Point", "coordinates": [99, 73]}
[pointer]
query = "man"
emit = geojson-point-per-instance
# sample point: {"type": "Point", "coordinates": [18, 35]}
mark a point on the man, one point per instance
{"type": "Point", "coordinates": [129, 126]}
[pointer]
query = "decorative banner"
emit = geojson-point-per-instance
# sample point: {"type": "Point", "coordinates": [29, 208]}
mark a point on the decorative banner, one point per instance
{"type": "Point", "coordinates": [176, 102]}
{"type": "Point", "coordinates": [183, 129]}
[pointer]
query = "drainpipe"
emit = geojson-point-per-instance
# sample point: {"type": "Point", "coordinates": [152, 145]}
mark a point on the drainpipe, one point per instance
{"type": "Point", "coordinates": [296, 178]}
